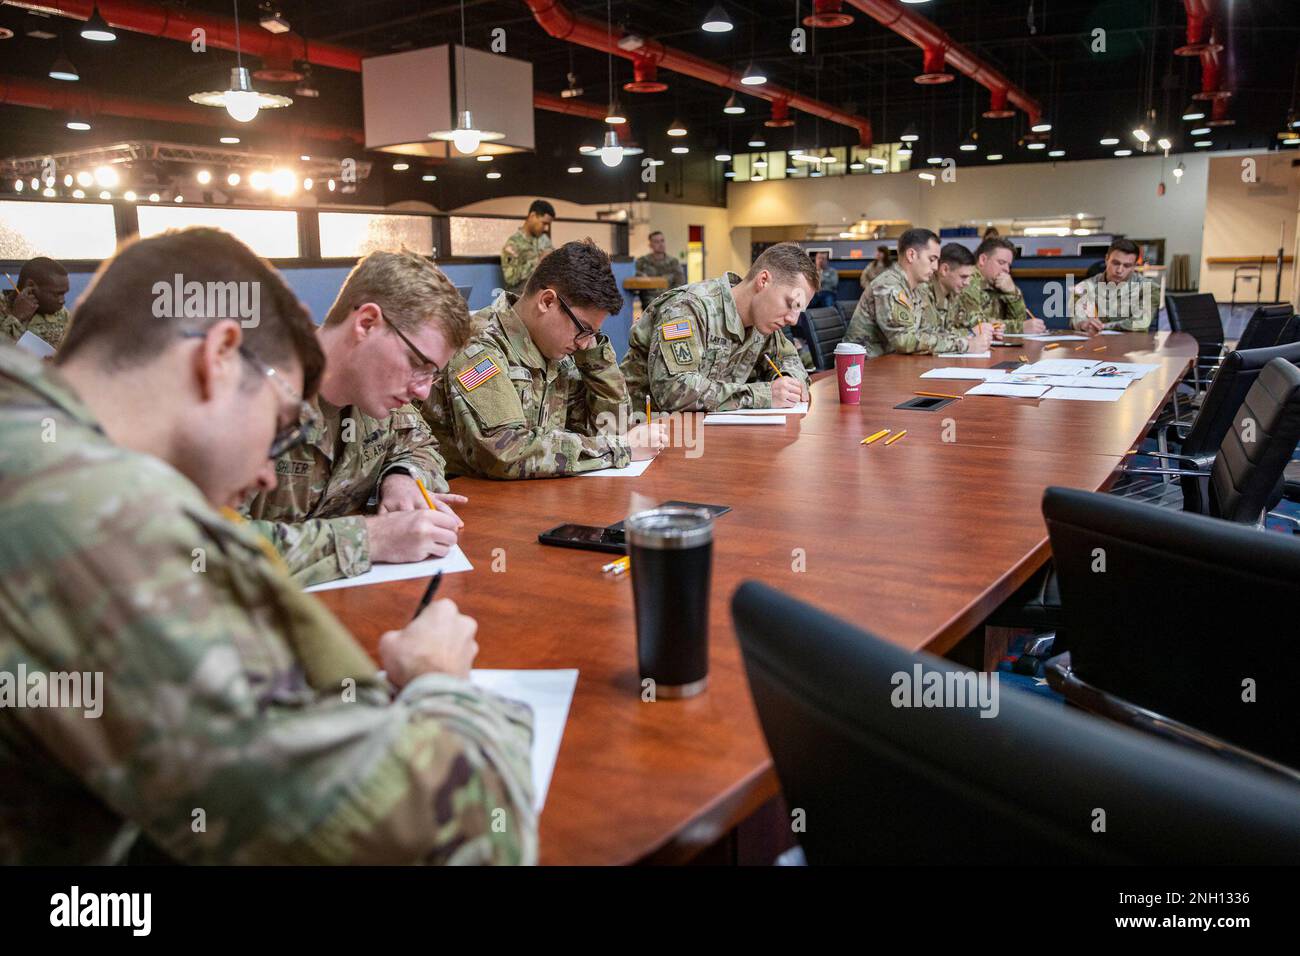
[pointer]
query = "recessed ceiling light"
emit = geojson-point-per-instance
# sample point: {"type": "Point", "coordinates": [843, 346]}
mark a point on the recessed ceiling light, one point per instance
{"type": "Point", "coordinates": [993, 157]}
{"type": "Point", "coordinates": [575, 169]}
{"type": "Point", "coordinates": [493, 175]}
{"type": "Point", "coordinates": [429, 178]}
{"type": "Point", "coordinates": [1123, 152]}
{"type": "Point", "coordinates": [1056, 153]}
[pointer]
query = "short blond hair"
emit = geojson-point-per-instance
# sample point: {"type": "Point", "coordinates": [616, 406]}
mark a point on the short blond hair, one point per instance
{"type": "Point", "coordinates": [410, 289]}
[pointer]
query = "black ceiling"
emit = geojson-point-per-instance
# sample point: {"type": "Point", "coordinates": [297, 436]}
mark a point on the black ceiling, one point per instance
{"type": "Point", "coordinates": [1042, 45]}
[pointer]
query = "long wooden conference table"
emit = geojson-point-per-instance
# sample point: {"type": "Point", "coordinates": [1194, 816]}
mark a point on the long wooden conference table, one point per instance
{"type": "Point", "coordinates": [916, 542]}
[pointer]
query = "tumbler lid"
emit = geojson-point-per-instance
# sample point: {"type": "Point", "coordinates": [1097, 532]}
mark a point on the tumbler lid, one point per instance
{"type": "Point", "coordinates": [667, 529]}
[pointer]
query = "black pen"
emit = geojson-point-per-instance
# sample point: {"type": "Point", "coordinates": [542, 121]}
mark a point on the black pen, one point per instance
{"type": "Point", "coordinates": [429, 592]}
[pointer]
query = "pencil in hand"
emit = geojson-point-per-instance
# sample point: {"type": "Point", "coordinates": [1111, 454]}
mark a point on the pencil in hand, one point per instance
{"type": "Point", "coordinates": [779, 373]}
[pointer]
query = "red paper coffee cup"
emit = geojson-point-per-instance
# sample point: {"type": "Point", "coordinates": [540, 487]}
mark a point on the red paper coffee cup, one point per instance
{"type": "Point", "coordinates": [849, 362]}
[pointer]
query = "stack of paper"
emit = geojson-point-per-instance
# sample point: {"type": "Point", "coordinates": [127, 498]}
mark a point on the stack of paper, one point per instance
{"type": "Point", "coordinates": [1086, 394]}
{"type": "Point", "coordinates": [1009, 390]}
{"type": "Point", "coordinates": [1049, 337]}
{"type": "Point", "coordinates": [800, 409]}
{"type": "Point", "coordinates": [732, 418]}
{"type": "Point", "coordinates": [549, 694]}
{"type": "Point", "coordinates": [454, 560]}
{"type": "Point", "coordinates": [978, 374]}
{"type": "Point", "coordinates": [1109, 382]}
{"type": "Point", "coordinates": [631, 470]}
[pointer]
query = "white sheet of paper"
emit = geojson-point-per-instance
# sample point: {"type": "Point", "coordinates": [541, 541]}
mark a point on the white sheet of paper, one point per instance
{"type": "Point", "coordinates": [549, 694]}
{"type": "Point", "coordinates": [1132, 370]}
{"type": "Point", "coordinates": [1010, 391]}
{"type": "Point", "coordinates": [799, 409]}
{"type": "Point", "coordinates": [453, 561]}
{"type": "Point", "coordinates": [1086, 394]}
{"type": "Point", "coordinates": [963, 355]}
{"type": "Point", "coordinates": [33, 343]}
{"type": "Point", "coordinates": [633, 469]}
{"type": "Point", "coordinates": [1059, 367]}
{"type": "Point", "coordinates": [1070, 381]}
{"type": "Point", "coordinates": [979, 374]}
{"type": "Point", "coordinates": [1046, 337]}
{"type": "Point", "coordinates": [1110, 332]}
{"type": "Point", "coordinates": [729, 419]}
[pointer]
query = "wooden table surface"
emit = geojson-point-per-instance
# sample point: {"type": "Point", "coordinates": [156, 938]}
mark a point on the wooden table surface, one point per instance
{"type": "Point", "coordinates": [916, 542]}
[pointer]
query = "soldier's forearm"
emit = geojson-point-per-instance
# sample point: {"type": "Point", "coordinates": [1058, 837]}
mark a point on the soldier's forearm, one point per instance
{"type": "Point", "coordinates": [319, 549]}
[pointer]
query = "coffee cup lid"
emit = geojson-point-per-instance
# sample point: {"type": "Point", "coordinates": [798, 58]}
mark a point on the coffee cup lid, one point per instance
{"type": "Point", "coordinates": [848, 348]}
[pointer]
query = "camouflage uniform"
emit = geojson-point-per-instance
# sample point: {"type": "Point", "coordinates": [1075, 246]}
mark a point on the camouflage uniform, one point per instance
{"type": "Point", "coordinates": [519, 257]}
{"type": "Point", "coordinates": [982, 302]}
{"type": "Point", "coordinates": [223, 684]}
{"type": "Point", "coordinates": [870, 273]}
{"type": "Point", "coordinates": [892, 317]}
{"type": "Point", "coordinates": [1127, 306]}
{"type": "Point", "coordinates": [653, 264]}
{"type": "Point", "coordinates": [503, 411]}
{"type": "Point", "coordinates": [50, 327]}
{"type": "Point", "coordinates": [830, 280]}
{"type": "Point", "coordinates": [690, 352]}
{"type": "Point", "coordinates": [946, 308]}
{"type": "Point", "coordinates": [313, 516]}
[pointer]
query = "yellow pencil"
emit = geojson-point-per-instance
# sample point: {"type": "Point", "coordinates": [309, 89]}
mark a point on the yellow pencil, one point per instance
{"type": "Point", "coordinates": [1078, 348]}
{"type": "Point", "coordinates": [647, 408]}
{"type": "Point", "coordinates": [1054, 345]}
{"type": "Point", "coordinates": [938, 395]}
{"type": "Point", "coordinates": [773, 364]}
{"type": "Point", "coordinates": [876, 437]}
{"type": "Point", "coordinates": [891, 440]}
{"type": "Point", "coordinates": [617, 563]}
{"type": "Point", "coordinates": [1102, 349]}
{"type": "Point", "coordinates": [428, 499]}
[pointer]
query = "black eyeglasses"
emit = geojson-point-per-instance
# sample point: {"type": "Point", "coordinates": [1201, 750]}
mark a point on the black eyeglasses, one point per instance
{"type": "Point", "coordinates": [584, 331]}
{"type": "Point", "coordinates": [291, 436]}
{"type": "Point", "coordinates": [428, 370]}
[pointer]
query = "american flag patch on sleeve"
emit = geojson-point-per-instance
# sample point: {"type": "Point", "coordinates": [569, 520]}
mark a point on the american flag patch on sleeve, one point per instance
{"type": "Point", "coordinates": [472, 378]}
{"type": "Point", "coordinates": [676, 330]}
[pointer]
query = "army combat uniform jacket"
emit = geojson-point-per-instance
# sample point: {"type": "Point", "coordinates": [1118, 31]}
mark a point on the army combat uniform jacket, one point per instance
{"type": "Point", "coordinates": [50, 327]}
{"type": "Point", "coordinates": [1128, 306]}
{"type": "Point", "coordinates": [519, 257]}
{"type": "Point", "coordinates": [503, 411]}
{"type": "Point", "coordinates": [690, 352]}
{"type": "Point", "coordinates": [313, 516]}
{"type": "Point", "coordinates": [239, 722]}
{"type": "Point", "coordinates": [664, 265]}
{"type": "Point", "coordinates": [891, 317]}
{"type": "Point", "coordinates": [982, 302]}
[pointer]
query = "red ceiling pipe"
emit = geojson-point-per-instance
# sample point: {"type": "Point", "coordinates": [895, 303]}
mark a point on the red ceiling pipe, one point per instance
{"type": "Point", "coordinates": [560, 23]}
{"type": "Point", "coordinates": [1199, 15]}
{"type": "Point", "coordinates": [827, 14]}
{"type": "Point", "coordinates": [645, 78]}
{"type": "Point", "coordinates": [1219, 114]}
{"type": "Point", "coordinates": [1211, 75]}
{"type": "Point", "coordinates": [918, 30]}
{"type": "Point", "coordinates": [574, 107]}
{"type": "Point", "coordinates": [932, 69]}
{"type": "Point", "coordinates": [20, 91]}
{"type": "Point", "coordinates": [283, 48]}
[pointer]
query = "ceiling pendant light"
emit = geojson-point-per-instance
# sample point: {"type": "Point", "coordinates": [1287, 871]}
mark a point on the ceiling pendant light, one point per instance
{"type": "Point", "coordinates": [1109, 140]}
{"type": "Point", "coordinates": [677, 128]}
{"type": "Point", "coordinates": [611, 154]}
{"type": "Point", "coordinates": [1194, 113]}
{"type": "Point", "coordinates": [717, 21]}
{"type": "Point", "coordinates": [466, 137]}
{"type": "Point", "coordinates": [756, 141]}
{"type": "Point", "coordinates": [1042, 126]}
{"type": "Point", "coordinates": [96, 29]}
{"type": "Point", "coordinates": [241, 101]}
{"type": "Point", "coordinates": [910, 135]}
{"type": "Point", "coordinates": [733, 106]}
{"type": "Point", "coordinates": [62, 69]}
{"type": "Point", "coordinates": [753, 76]}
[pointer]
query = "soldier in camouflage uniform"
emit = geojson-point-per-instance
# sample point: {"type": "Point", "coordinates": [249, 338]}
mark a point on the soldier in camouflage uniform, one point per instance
{"type": "Point", "coordinates": [992, 296]}
{"type": "Point", "coordinates": [537, 392]}
{"type": "Point", "coordinates": [395, 323]}
{"type": "Point", "coordinates": [529, 245]}
{"type": "Point", "coordinates": [702, 347]}
{"type": "Point", "coordinates": [1118, 298]}
{"type": "Point", "coordinates": [38, 308]}
{"type": "Point", "coordinates": [658, 263]}
{"type": "Point", "coordinates": [944, 290]}
{"type": "Point", "coordinates": [240, 723]}
{"type": "Point", "coordinates": [898, 314]}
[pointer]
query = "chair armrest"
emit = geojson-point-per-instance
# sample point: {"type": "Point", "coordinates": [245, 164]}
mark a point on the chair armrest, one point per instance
{"type": "Point", "coordinates": [1166, 471]}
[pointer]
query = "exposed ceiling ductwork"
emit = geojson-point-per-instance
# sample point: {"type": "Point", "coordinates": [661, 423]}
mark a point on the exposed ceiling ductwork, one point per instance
{"type": "Point", "coordinates": [562, 24]}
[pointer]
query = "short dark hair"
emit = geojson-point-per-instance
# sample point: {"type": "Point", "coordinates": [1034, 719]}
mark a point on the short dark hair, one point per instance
{"type": "Point", "coordinates": [915, 239]}
{"type": "Point", "coordinates": [993, 243]}
{"type": "Point", "coordinates": [1126, 246]}
{"type": "Point", "coordinates": [542, 208]}
{"type": "Point", "coordinates": [657, 232]}
{"type": "Point", "coordinates": [580, 273]}
{"type": "Point", "coordinates": [787, 262]}
{"type": "Point", "coordinates": [116, 314]}
{"type": "Point", "coordinates": [40, 270]}
{"type": "Point", "coordinates": [954, 255]}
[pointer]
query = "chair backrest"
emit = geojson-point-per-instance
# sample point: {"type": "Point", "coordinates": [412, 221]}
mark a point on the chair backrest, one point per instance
{"type": "Point", "coordinates": [847, 307]}
{"type": "Point", "coordinates": [1291, 333]}
{"type": "Point", "coordinates": [1265, 327]}
{"type": "Point", "coordinates": [879, 781]}
{"type": "Point", "coordinates": [1197, 314]}
{"type": "Point", "coordinates": [1218, 651]}
{"type": "Point", "coordinates": [1246, 479]}
{"type": "Point", "coordinates": [824, 329]}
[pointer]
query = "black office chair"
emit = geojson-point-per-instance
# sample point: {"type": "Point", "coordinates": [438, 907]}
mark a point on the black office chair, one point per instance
{"type": "Point", "coordinates": [822, 329]}
{"type": "Point", "coordinates": [1265, 327]}
{"type": "Point", "coordinates": [1291, 333]}
{"type": "Point", "coordinates": [1199, 441]}
{"type": "Point", "coordinates": [1197, 314]}
{"type": "Point", "coordinates": [880, 783]}
{"type": "Point", "coordinates": [847, 307]}
{"type": "Point", "coordinates": [1233, 596]}
{"type": "Point", "coordinates": [1242, 483]}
